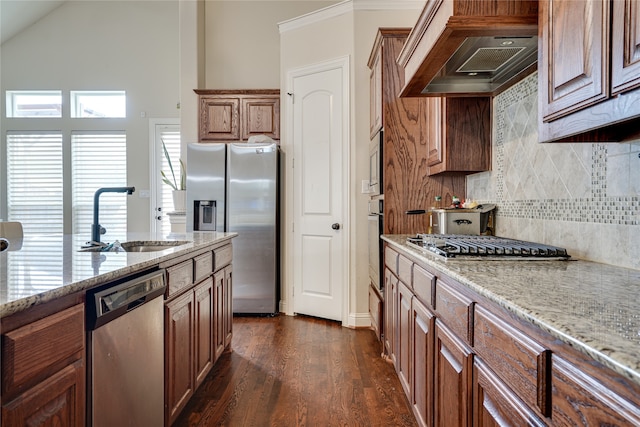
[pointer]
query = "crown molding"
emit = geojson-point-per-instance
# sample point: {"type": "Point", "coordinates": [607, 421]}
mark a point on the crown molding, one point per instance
{"type": "Point", "coordinates": [346, 7]}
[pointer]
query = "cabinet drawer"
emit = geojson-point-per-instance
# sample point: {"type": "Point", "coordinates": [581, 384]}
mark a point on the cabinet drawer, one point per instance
{"type": "Point", "coordinates": [405, 268]}
{"type": "Point", "coordinates": [203, 266]}
{"type": "Point", "coordinates": [222, 256]}
{"type": "Point", "coordinates": [391, 259]}
{"type": "Point", "coordinates": [30, 351]}
{"type": "Point", "coordinates": [519, 361]}
{"type": "Point", "coordinates": [579, 399]}
{"type": "Point", "coordinates": [454, 309]}
{"type": "Point", "coordinates": [179, 277]}
{"type": "Point", "coordinates": [423, 285]}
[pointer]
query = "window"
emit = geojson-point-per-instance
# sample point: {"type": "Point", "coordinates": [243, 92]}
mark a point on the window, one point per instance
{"type": "Point", "coordinates": [34, 181]}
{"type": "Point", "coordinates": [101, 104]}
{"type": "Point", "coordinates": [34, 197]}
{"type": "Point", "coordinates": [31, 103]}
{"type": "Point", "coordinates": [99, 160]}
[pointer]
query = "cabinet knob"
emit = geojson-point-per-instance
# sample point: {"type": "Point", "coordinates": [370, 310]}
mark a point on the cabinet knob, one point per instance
{"type": "Point", "coordinates": [335, 226]}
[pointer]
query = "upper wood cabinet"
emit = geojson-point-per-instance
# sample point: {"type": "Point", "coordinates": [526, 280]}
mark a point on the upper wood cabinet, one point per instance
{"type": "Point", "coordinates": [458, 134]}
{"type": "Point", "coordinates": [235, 115]}
{"type": "Point", "coordinates": [375, 89]}
{"type": "Point", "coordinates": [589, 70]}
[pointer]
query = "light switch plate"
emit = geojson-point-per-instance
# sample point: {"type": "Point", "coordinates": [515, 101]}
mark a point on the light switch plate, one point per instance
{"type": "Point", "coordinates": [365, 186]}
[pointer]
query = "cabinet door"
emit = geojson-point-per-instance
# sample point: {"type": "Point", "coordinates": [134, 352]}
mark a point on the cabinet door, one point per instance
{"type": "Point", "coordinates": [573, 59]}
{"type": "Point", "coordinates": [434, 129]}
{"type": "Point", "coordinates": [219, 118]}
{"type": "Point", "coordinates": [452, 379]}
{"type": "Point", "coordinates": [422, 345]}
{"type": "Point", "coordinates": [219, 301]}
{"type": "Point", "coordinates": [179, 348]}
{"type": "Point", "coordinates": [260, 116]}
{"type": "Point", "coordinates": [375, 92]}
{"type": "Point", "coordinates": [578, 399]}
{"type": "Point", "coordinates": [494, 404]}
{"type": "Point", "coordinates": [375, 310]}
{"type": "Point", "coordinates": [390, 292]}
{"type": "Point", "coordinates": [403, 356]}
{"type": "Point", "coordinates": [204, 333]}
{"type": "Point", "coordinates": [57, 401]}
{"type": "Point", "coordinates": [228, 305]}
{"type": "Point", "coordinates": [625, 46]}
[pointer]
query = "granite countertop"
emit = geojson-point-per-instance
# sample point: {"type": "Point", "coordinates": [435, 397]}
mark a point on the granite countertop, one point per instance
{"type": "Point", "coordinates": [51, 266]}
{"type": "Point", "coordinates": [592, 307]}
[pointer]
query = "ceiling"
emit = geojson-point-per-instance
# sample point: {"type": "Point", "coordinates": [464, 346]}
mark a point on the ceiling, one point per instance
{"type": "Point", "coordinates": [16, 15]}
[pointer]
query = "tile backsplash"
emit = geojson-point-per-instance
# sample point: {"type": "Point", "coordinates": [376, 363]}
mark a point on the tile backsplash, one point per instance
{"type": "Point", "coordinates": [583, 196]}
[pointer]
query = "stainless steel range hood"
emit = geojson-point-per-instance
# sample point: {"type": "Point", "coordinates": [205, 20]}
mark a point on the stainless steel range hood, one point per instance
{"type": "Point", "coordinates": [484, 64]}
{"type": "Point", "coordinates": [470, 47]}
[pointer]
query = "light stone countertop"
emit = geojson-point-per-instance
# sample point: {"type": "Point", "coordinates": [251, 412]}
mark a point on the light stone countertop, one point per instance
{"type": "Point", "coordinates": [51, 266]}
{"type": "Point", "coordinates": [592, 307]}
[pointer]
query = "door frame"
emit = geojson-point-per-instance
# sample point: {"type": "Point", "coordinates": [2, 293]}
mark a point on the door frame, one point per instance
{"type": "Point", "coordinates": [154, 173]}
{"type": "Point", "coordinates": [343, 64]}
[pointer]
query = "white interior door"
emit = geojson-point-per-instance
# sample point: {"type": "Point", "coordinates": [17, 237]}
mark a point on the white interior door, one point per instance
{"type": "Point", "coordinates": [319, 138]}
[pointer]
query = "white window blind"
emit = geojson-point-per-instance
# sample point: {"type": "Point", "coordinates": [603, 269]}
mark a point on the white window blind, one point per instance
{"type": "Point", "coordinates": [34, 197]}
{"type": "Point", "coordinates": [99, 159]}
{"type": "Point", "coordinates": [34, 181]}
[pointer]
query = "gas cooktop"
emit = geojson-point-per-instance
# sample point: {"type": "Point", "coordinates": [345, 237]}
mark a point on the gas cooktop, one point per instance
{"type": "Point", "coordinates": [485, 247]}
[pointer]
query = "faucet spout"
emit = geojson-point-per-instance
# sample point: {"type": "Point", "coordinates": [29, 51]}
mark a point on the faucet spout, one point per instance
{"type": "Point", "coordinates": [96, 228]}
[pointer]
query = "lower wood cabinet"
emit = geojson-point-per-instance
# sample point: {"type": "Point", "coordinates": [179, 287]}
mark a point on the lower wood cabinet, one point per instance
{"type": "Point", "coordinates": [390, 322]}
{"type": "Point", "coordinates": [43, 371]}
{"type": "Point", "coordinates": [403, 337]}
{"type": "Point", "coordinates": [228, 305]}
{"type": "Point", "coordinates": [223, 324]}
{"type": "Point", "coordinates": [204, 330]}
{"type": "Point", "coordinates": [579, 399]}
{"type": "Point", "coordinates": [495, 404]}
{"type": "Point", "coordinates": [198, 325]}
{"type": "Point", "coordinates": [463, 360]}
{"type": "Point", "coordinates": [422, 330]}
{"type": "Point", "coordinates": [452, 379]}
{"type": "Point", "coordinates": [179, 348]}
{"type": "Point", "coordinates": [375, 310]}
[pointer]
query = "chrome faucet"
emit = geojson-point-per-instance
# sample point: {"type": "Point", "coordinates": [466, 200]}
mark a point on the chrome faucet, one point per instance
{"type": "Point", "coordinates": [96, 228]}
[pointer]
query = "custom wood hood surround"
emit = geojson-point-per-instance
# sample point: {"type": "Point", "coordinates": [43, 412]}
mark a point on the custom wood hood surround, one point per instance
{"type": "Point", "coordinates": [445, 25]}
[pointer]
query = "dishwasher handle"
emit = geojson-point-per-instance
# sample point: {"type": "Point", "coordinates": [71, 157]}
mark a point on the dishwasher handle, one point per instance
{"type": "Point", "coordinates": [112, 301]}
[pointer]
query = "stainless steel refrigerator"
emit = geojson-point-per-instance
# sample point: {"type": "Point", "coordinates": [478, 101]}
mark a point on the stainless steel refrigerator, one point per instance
{"type": "Point", "coordinates": [234, 187]}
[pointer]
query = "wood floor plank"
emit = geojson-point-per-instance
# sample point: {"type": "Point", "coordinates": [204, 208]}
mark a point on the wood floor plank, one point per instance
{"type": "Point", "coordinates": [299, 371]}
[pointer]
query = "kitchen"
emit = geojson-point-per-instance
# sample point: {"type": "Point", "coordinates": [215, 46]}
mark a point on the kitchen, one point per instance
{"type": "Point", "coordinates": [533, 197]}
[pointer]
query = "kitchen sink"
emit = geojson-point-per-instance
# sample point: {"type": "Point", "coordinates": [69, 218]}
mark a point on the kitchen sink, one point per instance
{"type": "Point", "coordinates": [137, 246]}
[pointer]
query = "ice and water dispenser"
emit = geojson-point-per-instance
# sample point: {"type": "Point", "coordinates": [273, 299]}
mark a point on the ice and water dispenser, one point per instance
{"type": "Point", "coordinates": [204, 215]}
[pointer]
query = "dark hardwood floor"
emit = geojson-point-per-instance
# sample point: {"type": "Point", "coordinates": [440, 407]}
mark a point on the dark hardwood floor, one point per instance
{"type": "Point", "coordinates": [299, 371]}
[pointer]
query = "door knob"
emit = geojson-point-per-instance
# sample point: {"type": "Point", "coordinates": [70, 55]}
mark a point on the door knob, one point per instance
{"type": "Point", "coordinates": [335, 226]}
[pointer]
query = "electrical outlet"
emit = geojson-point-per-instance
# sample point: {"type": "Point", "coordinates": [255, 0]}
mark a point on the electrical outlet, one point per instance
{"type": "Point", "coordinates": [365, 186]}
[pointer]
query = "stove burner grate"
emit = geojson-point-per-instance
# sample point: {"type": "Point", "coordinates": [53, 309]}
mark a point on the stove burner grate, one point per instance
{"type": "Point", "coordinates": [458, 245]}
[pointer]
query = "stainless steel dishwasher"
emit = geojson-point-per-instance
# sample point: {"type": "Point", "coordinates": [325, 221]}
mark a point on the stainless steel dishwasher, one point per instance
{"type": "Point", "coordinates": [125, 380]}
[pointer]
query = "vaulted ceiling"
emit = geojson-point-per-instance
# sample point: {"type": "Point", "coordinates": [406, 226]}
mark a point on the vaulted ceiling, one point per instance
{"type": "Point", "coordinates": [16, 15]}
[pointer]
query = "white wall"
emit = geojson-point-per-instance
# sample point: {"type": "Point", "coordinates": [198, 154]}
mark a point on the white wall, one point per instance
{"type": "Point", "coordinates": [104, 45]}
{"type": "Point", "coordinates": [243, 43]}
